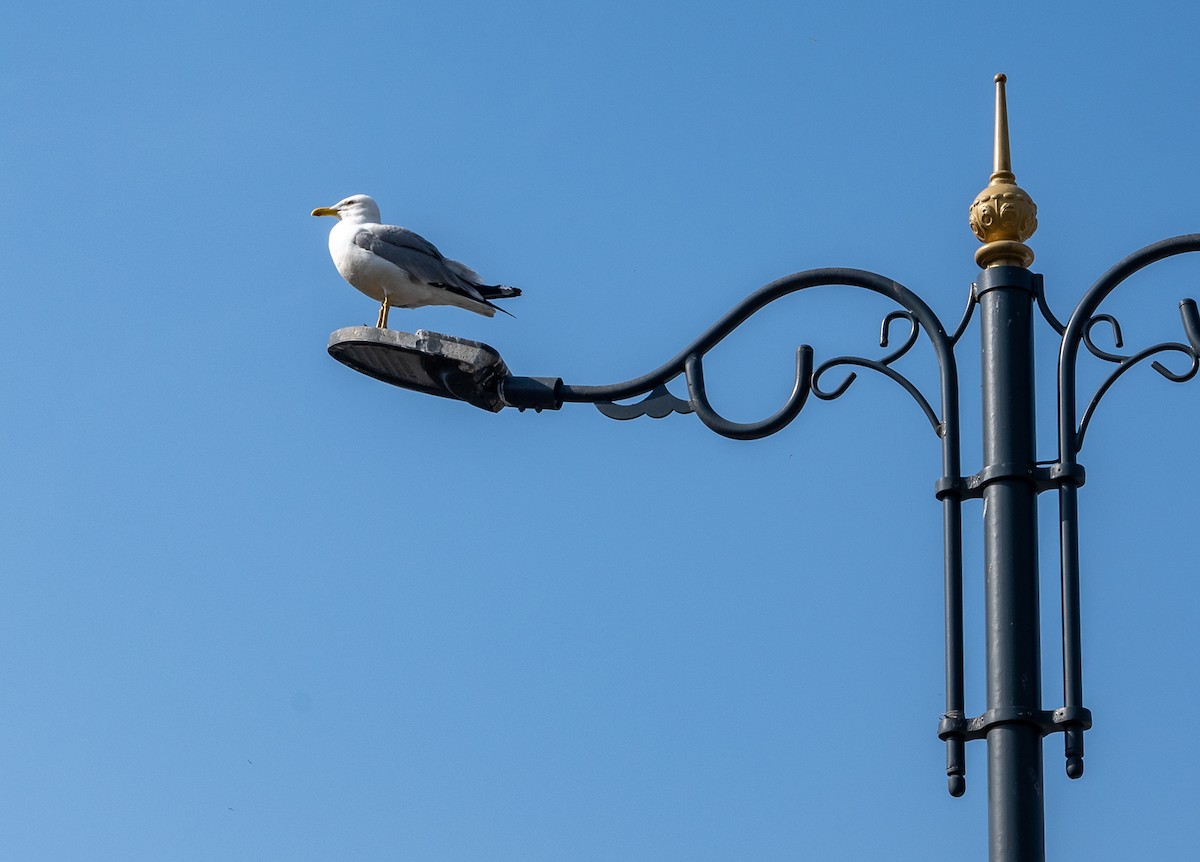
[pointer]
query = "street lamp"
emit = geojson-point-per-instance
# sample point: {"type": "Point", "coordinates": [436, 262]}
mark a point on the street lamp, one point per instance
{"type": "Point", "coordinates": [1008, 297]}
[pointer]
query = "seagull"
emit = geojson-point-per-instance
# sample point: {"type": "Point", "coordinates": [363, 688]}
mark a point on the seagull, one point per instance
{"type": "Point", "coordinates": [400, 269]}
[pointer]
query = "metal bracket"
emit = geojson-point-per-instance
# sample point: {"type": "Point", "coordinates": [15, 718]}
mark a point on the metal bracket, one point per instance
{"type": "Point", "coordinates": [1043, 477]}
{"type": "Point", "coordinates": [1047, 721]}
{"type": "Point", "coordinates": [659, 404]}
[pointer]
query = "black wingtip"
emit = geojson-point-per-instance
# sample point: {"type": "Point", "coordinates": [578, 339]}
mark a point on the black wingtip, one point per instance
{"type": "Point", "coordinates": [498, 291]}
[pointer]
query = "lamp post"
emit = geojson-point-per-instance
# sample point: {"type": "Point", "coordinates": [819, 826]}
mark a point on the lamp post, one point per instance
{"type": "Point", "coordinates": [1009, 298]}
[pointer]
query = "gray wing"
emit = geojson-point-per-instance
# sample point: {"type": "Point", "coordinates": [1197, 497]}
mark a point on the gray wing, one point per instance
{"type": "Point", "coordinates": [417, 256]}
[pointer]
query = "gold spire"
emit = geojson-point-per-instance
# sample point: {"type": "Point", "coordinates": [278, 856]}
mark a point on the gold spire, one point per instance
{"type": "Point", "coordinates": [1003, 216]}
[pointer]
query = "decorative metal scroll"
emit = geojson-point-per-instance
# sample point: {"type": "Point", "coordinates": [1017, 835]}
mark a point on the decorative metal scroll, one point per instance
{"type": "Point", "coordinates": [883, 366]}
{"type": "Point", "coordinates": [1191, 351]}
{"type": "Point", "coordinates": [1080, 331]}
{"type": "Point", "coordinates": [659, 404]}
{"type": "Point", "coordinates": [808, 381]}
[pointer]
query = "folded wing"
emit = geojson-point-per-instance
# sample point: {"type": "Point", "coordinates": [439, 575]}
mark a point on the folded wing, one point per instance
{"type": "Point", "coordinates": [422, 261]}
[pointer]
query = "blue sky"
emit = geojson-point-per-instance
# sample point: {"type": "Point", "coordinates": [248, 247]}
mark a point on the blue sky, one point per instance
{"type": "Point", "coordinates": [257, 606]}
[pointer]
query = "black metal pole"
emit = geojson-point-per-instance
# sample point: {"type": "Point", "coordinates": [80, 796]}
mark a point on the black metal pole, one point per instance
{"type": "Point", "coordinates": [1016, 818]}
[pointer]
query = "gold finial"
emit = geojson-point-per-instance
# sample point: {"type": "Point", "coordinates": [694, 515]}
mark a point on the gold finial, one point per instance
{"type": "Point", "coordinates": [1003, 216]}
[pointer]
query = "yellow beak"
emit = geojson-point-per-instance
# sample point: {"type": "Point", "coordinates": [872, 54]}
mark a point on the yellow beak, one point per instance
{"type": "Point", "coordinates": [323, 211]}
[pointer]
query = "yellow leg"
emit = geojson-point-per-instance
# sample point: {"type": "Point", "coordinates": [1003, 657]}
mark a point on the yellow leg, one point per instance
{"type": "Point", "coordinates": [383, 314]}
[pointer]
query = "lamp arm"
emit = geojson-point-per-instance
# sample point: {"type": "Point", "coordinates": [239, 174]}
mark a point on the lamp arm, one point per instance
{"type": "Point", "coordinates": [689, 362]}
{"type": "Point", "coordinates": [1078, 333]}
{"type": "Point", "coordinates": [662, 403]}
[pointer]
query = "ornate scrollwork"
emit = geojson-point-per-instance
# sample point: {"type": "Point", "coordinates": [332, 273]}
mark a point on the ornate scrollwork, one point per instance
{"type": "Point", "coordinates": [883, 366]}
{"type": "Point", "coordinates": [1080, 331]}
{"type": "Point", "coordinates": [659, 404]}
{"type": "Point", "coordinates": [694, 370]}
{"type": "Point", "coordinates": [1125, 362]}
{"type": "Point", "coordinates": [1118, 338]}
{"type": "Point", "coordinates": [690, 363]}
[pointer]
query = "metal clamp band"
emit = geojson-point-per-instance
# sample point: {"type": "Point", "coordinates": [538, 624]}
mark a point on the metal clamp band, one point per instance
{"type": "Point", "coordinates": [1047, 721]}
{"type": "Point", "coordinates": [1043, 478]}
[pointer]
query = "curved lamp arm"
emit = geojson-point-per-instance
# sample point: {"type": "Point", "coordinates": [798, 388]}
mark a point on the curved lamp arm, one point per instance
{"type": "Point", "coordinates": [689, 362]}
{"type": "Point", "coordinates": [1078, 333]}
{"type": "Point", "coordinates": [916, 311]}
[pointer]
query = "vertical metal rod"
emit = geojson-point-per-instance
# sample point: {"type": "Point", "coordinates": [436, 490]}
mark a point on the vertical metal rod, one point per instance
{"type": "Point", "coordinates": [1068, 524]}
{"type": "Point", "coordinates": [956, 760]}
{"type": "Point", "coordinates": [1016, 815]}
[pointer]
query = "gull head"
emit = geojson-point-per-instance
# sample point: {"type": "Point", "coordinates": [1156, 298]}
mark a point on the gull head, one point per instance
{"type": "Point", "coordinates": [356, 209]}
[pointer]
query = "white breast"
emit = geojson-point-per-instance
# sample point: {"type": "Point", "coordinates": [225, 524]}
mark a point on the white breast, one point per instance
{"type": "Point", "coordinates": [373, 275]}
